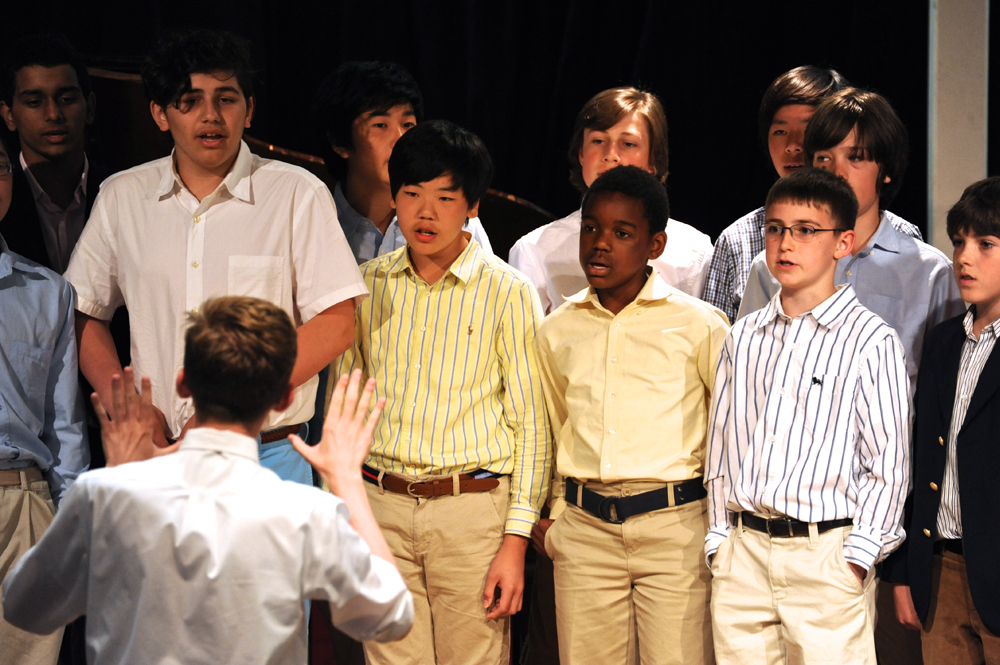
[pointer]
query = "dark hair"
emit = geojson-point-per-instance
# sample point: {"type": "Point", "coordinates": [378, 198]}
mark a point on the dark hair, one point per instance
{"type": "Point", "coordinates": [354, 89]}
{"type": "Point", "coordinates": [48, 49]}
{"type": "Point", "coordinates": [438, 147]}
{"type": "Point", "coordinates": [881, 135]}
{"type": "Point", "coordinates": [638, 184]}
{"type": "Point", "coordinates": [238, 358]}
{"type": "Point", "coordinates": [978, 210]}
{"type": "Point", "coordinates": [817, 187]}
{"type": "Point", "coordinates": [807, 84]}
{"type": "Point", "coordinates": [604, 110]}
{"type": "Point", "coordinates": [167, 69]}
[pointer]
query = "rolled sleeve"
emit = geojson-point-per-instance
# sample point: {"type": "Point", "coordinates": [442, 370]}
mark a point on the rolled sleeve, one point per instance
{"type": "Point", "coordinates": [93, 266]}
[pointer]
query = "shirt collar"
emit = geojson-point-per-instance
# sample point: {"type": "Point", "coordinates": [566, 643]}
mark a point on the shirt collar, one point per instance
{"type": "Point", "coordinates": [970, 318]}
{"type": "Point", "coordinates": [39, 194]}
{"type": "Point", "coordinates": [654, 289]}
{"type": "Point", "coordinates": [463, 268]}
{"type": "Point", "coordinates": [350, 219]}
{"type": "Point", "coordinates": [221, 441]}
{"type": "Point", "coordinates": [237, 181]}
{"type": "Point", "coordinates": [886, 236]}
{"type": "Point", "coordinates": [827, 314]}
{"type": "Point", "coordinates": [9, 261]}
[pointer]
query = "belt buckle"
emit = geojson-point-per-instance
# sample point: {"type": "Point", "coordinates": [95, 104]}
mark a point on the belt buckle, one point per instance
{"type": "Point", "coordinates": [604, 510]}
{"type": "Point", "coordinates": [409, 489]}
{"type": "Point", "coordinates": [780, 520]}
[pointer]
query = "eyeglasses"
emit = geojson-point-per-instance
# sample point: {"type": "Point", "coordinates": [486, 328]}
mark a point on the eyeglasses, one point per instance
{"type": "Point", "coordinates": [800, 232]}
{"type": "Point", "coordinates": [6, 168]}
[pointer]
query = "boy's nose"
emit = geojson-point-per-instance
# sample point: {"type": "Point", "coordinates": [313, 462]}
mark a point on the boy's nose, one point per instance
{"type": "Point", "coordinates": [53, 111]}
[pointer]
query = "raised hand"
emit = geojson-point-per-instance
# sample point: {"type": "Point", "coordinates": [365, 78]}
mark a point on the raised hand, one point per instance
{"type": "Point", "coordinates": [127, 432]}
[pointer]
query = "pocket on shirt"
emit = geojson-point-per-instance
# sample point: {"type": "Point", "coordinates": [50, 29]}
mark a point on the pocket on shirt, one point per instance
{"type": "Point", "coordinates": [258, 276]}
{"type": "Point", "coordinates": [821, 402]}
{"type": "Point", "coordinates": [31, 368]}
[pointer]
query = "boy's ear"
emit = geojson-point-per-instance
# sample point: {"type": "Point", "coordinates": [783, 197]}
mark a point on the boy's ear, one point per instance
{"type": "Point", "coordinates": [159, 116]}
{"type": "Point", "coordinates": [182, 389]}
{"type": "Point", "coordinates": [250, 108]}
{"type": "Point", "coordinates": [473, 210]}
{"type": "Point", "coordinates": [286, 399]}
{"type": "Point", "coordinates": [657, 244]}
{"type": "Point", "coordinates": [91, 108]}
{"type": "Point", "coordinates": [342, 152]}
{"type": "Point", "coordinates": [8, 117]}
{"type": "Point", "coordinates": [845, 244]}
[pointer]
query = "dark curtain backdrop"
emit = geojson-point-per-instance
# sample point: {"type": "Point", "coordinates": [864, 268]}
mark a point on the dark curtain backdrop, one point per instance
{"type": "Point", "coordinates": [516, 73]}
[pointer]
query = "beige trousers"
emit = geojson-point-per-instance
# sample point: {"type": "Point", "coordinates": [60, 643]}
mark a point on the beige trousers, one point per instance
{"type": "Point", "coordinates": [790, 600]}
{"type": "Point", "coordinates": [649, 570]}
{"type": "Point", "coordinates": [25, 514]}
{"type": "Point", "coordinates": [444, 547]}
{"type": "Point", "coordinates": [953, 632]}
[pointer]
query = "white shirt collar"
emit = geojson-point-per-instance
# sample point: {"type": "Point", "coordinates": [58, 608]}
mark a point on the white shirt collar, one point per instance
{"type": "Point", "coordinates": [221, 441]}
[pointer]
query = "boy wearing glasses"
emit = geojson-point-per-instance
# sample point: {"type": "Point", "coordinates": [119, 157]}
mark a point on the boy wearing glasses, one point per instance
{"type": "Point", "coordinates": [807, 451]}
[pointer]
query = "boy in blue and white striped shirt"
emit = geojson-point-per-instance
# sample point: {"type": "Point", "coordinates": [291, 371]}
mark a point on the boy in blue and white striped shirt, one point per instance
{"type": "Point", "coordinates": [807, 453]}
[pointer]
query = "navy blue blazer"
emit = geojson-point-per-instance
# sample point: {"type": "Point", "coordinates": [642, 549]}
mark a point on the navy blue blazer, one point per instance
{"type": "Point", "coordinates": [978, 453]}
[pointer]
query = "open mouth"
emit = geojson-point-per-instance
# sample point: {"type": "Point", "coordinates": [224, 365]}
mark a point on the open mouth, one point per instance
{"type": "Point", "coordinates": [424, 235]}
{"type": "Point", "coordinates": [786, 264]}
{"type": "Point", "coordinates": [211, 139]}
{"type": "Point", "coordinates": [794, 167]}
{"type": "Point", "coordinates": [55, 137]}
{"type": "Point", "coordinates": [597, 269]}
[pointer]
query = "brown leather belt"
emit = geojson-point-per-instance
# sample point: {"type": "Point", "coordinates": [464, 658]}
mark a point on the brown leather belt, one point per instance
{"type": "Point", "coordinates": [12, 477]}
{"type": "Point", "coordinates": [272, 435]}
{"type": "Point", "coordinates": [455, 484]}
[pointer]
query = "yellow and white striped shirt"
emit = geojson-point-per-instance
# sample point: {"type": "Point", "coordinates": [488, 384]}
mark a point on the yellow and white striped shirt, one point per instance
{"type": "Point", "coordinates": [455, 361]}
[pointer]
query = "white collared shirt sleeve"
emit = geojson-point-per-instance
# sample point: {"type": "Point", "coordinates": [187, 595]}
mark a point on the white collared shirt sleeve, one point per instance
{"type": "Point", "coordinates": [93, 266]}
{"type": "Point", "coordinates": [715, 458]}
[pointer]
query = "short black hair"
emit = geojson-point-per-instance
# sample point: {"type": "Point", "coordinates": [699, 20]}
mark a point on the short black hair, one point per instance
{"type": "Point", "coordinates": [167, 69]}
{"type": "Point", "coordinates": [881, 135]}
{"type": "Point", "coordinates": [807, 85]}
{"type": "Point", "coordinates": [356, 88]}
{"type": "Point", "coordinates": [978, 210]}
{"type": "Point", "coordinates": [48, 49]}
{"type": "Point", "coordinates": [817, 187]}
{"type": "Point", "coordinates": [438, 147]}
{"type": "Point", "coordinates": [638, 184]}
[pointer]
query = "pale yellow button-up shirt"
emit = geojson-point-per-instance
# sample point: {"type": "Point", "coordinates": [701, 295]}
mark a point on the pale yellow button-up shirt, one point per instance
{"type": "Point", "coordinates": [628, 395]}
{"type": "Point", "coordinates": [456, 363]}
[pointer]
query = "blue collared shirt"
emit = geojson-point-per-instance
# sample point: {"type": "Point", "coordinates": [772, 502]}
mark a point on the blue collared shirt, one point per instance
{"type": "Point", "coordinates": [905, 281]}
{"type": "Point", "coordinates": [367, 241]}
{"type": "Point", "coordinates": [41, 414]}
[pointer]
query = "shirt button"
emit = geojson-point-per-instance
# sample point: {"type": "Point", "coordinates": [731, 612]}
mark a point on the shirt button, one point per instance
{"type": "Point", "coordinates": [848, 273]}
{"type": "Point", "coordinates": [934, 486]}
{"type": "Point", "coordinates": [927, 532]}
{"type": "Point", "coordinates": [614, 360]}
{"type": "Point", "coordinates": [197, 219]}
{"type": "Point", "coordinates": [611, 431]}
{"type": "Point", "coordinates": [194, 264]}
{"type": "Point", "coordinates": [618, 325]}
{"type": "Point", "coordinates": [413, 403]}
{"type": "Point", "coordinates": [870, 252]}
{"type": "Point", "coordinates": [772, 439]}
{"type": "Point", "coordinates": [423, 328]}
{"type": "Point", "coordinates": [194, 310]}
{"type": "Point", "coordinates": [417, 366]}
{"type": "Point", "coordinates": [611, 396]}
{"type": "Point", "coordinates": [607, 466]}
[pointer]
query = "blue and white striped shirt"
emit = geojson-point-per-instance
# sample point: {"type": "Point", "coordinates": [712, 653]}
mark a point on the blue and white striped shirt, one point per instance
{"type": "Point", "coordinates": [810, 419]}
{"type": "Point", "coordinates": [975, 353]}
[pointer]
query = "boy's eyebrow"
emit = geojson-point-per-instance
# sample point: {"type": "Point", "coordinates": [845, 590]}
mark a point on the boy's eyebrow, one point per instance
{"type": "Point", "coordinates": [59, 91]}
{"type": "Point", "coordinates": [224, 88]}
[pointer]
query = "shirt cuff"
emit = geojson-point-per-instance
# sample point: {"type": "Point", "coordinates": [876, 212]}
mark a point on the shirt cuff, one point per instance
{"type": "Point", "coordinates": [520, 519]}
{"type": "Point", "coordinates": [94, 309]}
{"type": "Point", "coordinates": [715, 537]}
{"type": "Point", "coordinates": [863, 546]}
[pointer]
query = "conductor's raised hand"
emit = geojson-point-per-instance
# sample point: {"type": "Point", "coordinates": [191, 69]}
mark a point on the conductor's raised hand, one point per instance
{"type": "Point", "coordinates": [347, 434]}
{"type": "Point", "coordinates": [127, 432]}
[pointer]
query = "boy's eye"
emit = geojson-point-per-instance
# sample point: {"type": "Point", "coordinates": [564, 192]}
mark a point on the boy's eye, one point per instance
{"type": "Point", "coordinates": [804, 231]}
{"type": "Point", "coordinates": [778, 132]}
{"type": "Point", "coordinates": [957, 242]}
{"type": "Point", "coordinates": [623, 234]}
{"type": "Point", "coordinates": [379, 125]}
{"type": "Point", "coordinates": [597, 141]}
{"type": "Point", "coordinates": [773, 229]}
{"type": "Point", "coordinates": [588, 228]}
{"type": "Point", "coordinates": [409, 124]}
{"type": "Point", "coordinates": [987, 244]}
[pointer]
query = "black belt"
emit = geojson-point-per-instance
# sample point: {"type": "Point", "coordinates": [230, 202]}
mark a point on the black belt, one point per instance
{"type": "Point", "coordinates": [786, 527]}
{"type": "Point", "coordinates": [674, 494]}
{"type": "Point", "coordinates": [949, 545]}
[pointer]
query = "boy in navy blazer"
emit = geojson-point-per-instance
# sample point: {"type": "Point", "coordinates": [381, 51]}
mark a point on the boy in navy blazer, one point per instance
{"type": "Point", "coordinates": [947, 581]}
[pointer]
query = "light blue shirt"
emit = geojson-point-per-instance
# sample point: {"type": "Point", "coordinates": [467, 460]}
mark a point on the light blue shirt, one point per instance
{"type": "Point", "coordinates": [367, 241]}
{"type": "Point", "coordinates": [41, 415]}
{"type": "Point", "coordinates": [905, 281]}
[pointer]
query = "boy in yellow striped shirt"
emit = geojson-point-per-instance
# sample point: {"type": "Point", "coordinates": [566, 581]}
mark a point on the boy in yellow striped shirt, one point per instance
{"type": "Point", "coordinates": [627, 367]}
{"type": "Point", "coordinates": [460, 463]}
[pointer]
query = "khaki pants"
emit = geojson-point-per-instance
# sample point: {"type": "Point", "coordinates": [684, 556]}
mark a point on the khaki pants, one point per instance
{"type": "Point", "coordinates": [953, 632]}
{"type": "Point", "coordinates": [649, 570]}
{"type": "Point", "coordinates": [790, 600]}
{"type": "Point", "coordinates": [444, 547]}
{"type": "Point", "coordinates": [25, 514]}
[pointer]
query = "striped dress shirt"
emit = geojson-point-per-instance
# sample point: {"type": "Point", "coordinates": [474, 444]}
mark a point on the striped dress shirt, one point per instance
{"type": "Point", "coordinates": [735, 250]}
{"type": "Point", "coordinates": [810, 419]}
{"type": "Point", "coordinates": [456, 363]}
{"type": "Point", "coordinates": [975, 353]}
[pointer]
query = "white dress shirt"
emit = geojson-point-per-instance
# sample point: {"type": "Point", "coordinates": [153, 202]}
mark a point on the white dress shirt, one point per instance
{"type": "Point", "coordinates": [270, 230]}
{"type": "Point", "coordinates": [60, 228]}
{"type": "Point", "coordinates": [202, 556]}
{"type": "Point", "coordinates": [810, 419]}
{"type": "Point", "coordinates": [550, 257]}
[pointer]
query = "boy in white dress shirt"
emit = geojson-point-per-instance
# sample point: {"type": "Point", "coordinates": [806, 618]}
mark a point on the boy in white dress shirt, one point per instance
{"type": "Point", "coordinates": [807, 455]}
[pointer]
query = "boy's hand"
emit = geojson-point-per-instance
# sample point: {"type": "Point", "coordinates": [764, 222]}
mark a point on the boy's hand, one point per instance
{"type": "Point", "coordinates": [858, 571]}
{"type": "Point", "coordinates": [906, 613]}
{"type": "Point", "coordinates": [506, 574]}
{"type": "Point", "coordinates": [347, 437]}
{"type": "Point", "coordinates": [538, 535]}
{"type": "Point", "coordinates": [127, 433]}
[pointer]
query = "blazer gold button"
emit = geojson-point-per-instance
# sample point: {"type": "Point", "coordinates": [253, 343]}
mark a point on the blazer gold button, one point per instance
{"type": "Point", "coordinates": [934, 486]}
{"type": "Point", "coordinates": [941, 440]}
{"type": "Point", "coordinates": [927, 532]}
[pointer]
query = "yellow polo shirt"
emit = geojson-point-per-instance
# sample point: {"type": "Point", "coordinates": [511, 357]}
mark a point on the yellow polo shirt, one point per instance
{"type": "Point", "coordinates": [628, 395]}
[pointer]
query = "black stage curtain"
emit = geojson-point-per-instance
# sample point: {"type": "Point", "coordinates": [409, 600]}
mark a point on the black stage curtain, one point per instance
{"type": "Point", "coordinates": [516, 73]}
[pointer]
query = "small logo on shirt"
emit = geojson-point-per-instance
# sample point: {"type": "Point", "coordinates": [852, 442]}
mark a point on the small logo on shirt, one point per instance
{"type": "Point", "coordinates": [817, 381]}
